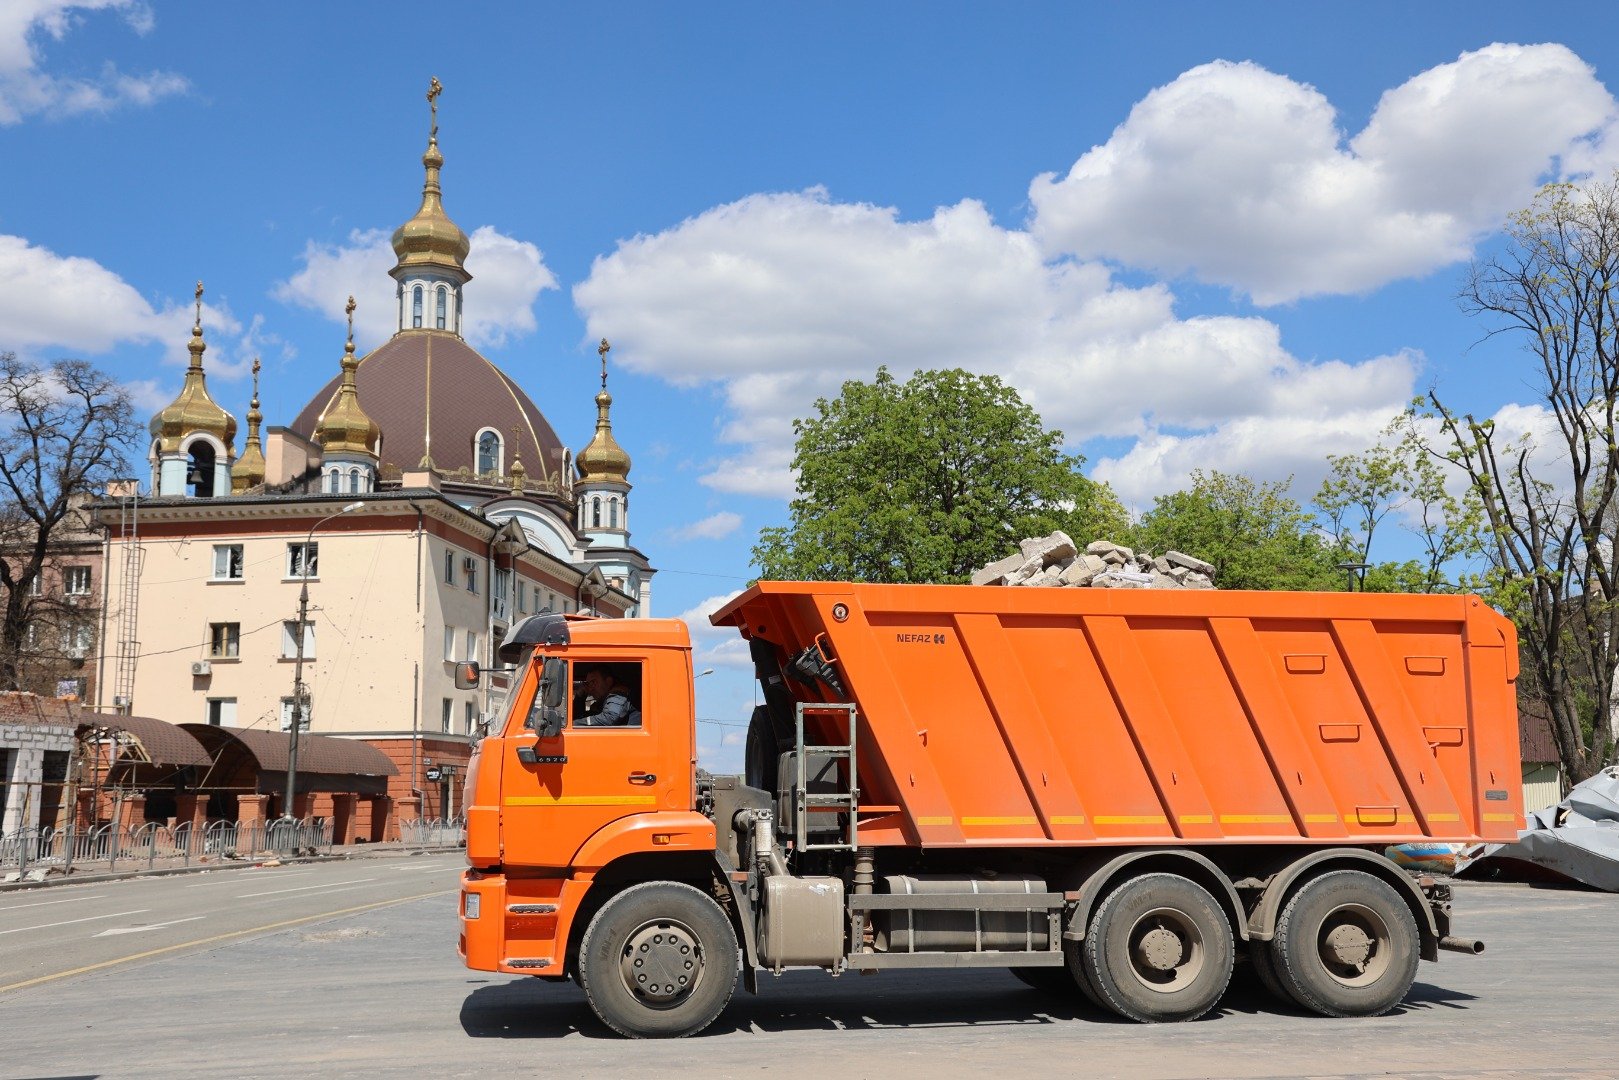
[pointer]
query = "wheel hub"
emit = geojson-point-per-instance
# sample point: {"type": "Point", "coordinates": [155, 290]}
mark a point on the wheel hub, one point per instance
{"type": "Point", "coordinates": [661, 964]}
{"type": "Point", "coordinates": [1160, 949]}
{"type": "Point", "coordinates": [1349, 945]}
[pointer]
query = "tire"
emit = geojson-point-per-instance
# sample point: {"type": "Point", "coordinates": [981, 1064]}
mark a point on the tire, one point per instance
{"type": "Point", "coordinates": [1159, 950]}
{"type": "Point", "coordinates": [1264, 964]}
{"type": "Point", "coordinates": [1074, 951]}
{"type": "Point", "coordinates": [1346, 945]}
{"type": "Point", "coordinates": [670, 934]}
{"type": "Point", "coordinates": [1047, 980]}
{"type": "Point", "coordinates": [760, 760]}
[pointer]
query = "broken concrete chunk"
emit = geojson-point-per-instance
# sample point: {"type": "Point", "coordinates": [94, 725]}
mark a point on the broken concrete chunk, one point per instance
{"type": "Point", "coordinates": [1049, 549]}
{"type": "Point", "coordinates": [1197, 581]}
{"type": "Point", "coordinates": [1177, 558]}
{"type": "Point", "coordinates": [1162, 565]}
{"type": "Point", "coordinates": [996, 572]}
{"type": "Point", "coordinates": [1080, 572]}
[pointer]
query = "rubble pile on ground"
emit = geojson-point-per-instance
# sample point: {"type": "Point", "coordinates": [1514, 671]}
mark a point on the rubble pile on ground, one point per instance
{"type": "Point", "coordinates": [1055, 561]}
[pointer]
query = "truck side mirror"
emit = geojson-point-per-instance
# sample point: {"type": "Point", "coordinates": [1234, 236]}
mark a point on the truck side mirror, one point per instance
{"type": "Point", "coordinates": [553, 682]}
{"type": "Point", "coordinates": [466, 675]}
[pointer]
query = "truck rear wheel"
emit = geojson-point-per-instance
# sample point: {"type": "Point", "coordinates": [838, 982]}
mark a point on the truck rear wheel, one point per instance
{"type": "Point", "coordinates": [1346, 945]}
{"type": "Point", "coordinates": [1159, 949]}
{"type": "Point", "coordinates": [1047, 980]}
{"type": "Point", "coordinates": [659, 961]}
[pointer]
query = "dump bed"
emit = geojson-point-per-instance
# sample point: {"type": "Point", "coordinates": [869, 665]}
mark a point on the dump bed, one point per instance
{"type": "Point", "coordinates": [1027, 716]}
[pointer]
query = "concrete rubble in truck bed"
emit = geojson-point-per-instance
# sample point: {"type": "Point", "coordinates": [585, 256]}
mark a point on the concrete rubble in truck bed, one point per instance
{"type": "Point", "coordinates": [1056, 562]}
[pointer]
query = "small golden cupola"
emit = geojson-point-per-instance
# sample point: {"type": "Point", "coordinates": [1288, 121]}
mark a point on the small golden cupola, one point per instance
{"type": "Point", "coordinates": [602, 491]}
{"type": "Point", "coordinates": [193, 438]}
{"type": "Point", "coordinates": [248, 472]}
{"type": "Point", "coordinates": [349, 439]}
{"type": "Point", "coordinates": [432, 250]}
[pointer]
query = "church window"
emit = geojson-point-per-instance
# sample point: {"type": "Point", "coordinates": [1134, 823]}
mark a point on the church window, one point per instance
{"type": "Point", "coordinates": [416, 307]}
{"type": "Point", "coordinates": [443, 305]}
{"type": "Point", "coordinates": [200, 470]}
{"type": "Point", "coordinates": [332, 482]}
{"type": "Point", "coordinates": [489, 456]}
{"type": "Point", "coordinates": [458, 311]}
{"type": "Point", "coordinates": [354, 481]}
{"type": "Point", "coordinates": [612, 513]}
{"type": "Point", "coordinates": [595, 513]}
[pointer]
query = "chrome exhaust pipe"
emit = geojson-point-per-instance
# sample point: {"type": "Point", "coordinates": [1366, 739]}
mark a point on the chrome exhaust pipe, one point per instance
{"type": "Point", "coordinates": [1461, 945]}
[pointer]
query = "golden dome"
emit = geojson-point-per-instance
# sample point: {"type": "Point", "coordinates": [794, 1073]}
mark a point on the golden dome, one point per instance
{"type": "Point", "coordinates": [193, 410]}
{"type": "Point", "coordinates": [248, 472]}
{"type": "Point", "coordinates": [430, 240]}
{"type": "Point", "coordinates": [346, 427]}
{"type": "Point", "coordinates": [603, 459]}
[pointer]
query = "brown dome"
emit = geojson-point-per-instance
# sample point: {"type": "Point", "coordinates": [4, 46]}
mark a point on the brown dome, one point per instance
{"type": "Point", "coordinates": [430, 393]}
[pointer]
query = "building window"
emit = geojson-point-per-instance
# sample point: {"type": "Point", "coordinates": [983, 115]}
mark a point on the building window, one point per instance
{"type": "Point", "coordinates": [502, 586]}
{"type": "Point", "coordinates": [224, 640]}
{"type": "Point", "coordinates": [354, 481]}
{"type": "Point", "coordinates": [36, 587]}
{"type": "Point", "coordinates": [472, 645]}
{"type": "Point", "coordinates": [472, 574]}
{"type": "Point", "coordinates": [595, 513]}
{"type": "Point", "coordinates": [303, 560]}
{"type": "Point", "coordinates": [612, 513]}
{"type": "Point", "coordinates": [222, 711]}
{"type": "Point", "coordinates": [227, 562]}
{"type": "Point", "coordinates": [289, 640]}
{"type": "Point", "coordinates": [71, 689]}
{"type": "Point", "coordinates": [76, 580]}
{"type": "Point", "coordinates": [449, 568]}
{"type": "Point", "coordinates": [286, 715]}
{"type": "Point", "coordinates": [443, 307]}
{"type": "Point", "coordinates": [550, 601]}
{"type": "Point", "coordinates": [76, 641]}
{"type": "Point", "coordinates": [448, 714]}
{"type": "Point", "coordinates": [472, 715]}
{"type": "Point", "coordinates": [522, 597]}
{"type": "Point", "coordinates": [449, 644]}
{"type": "Point", "coordinates": [489, 455]}
{"type": "Point", "coordinates": [416, 307]}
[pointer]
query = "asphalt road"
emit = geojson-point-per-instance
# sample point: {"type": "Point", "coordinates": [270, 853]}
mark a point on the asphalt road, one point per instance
{"type": "Point", "coordinates": [380, 991]}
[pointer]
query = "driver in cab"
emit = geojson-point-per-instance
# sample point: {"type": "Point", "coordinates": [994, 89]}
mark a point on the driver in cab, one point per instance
{"type": "Point", "coordinates": [604, 699]}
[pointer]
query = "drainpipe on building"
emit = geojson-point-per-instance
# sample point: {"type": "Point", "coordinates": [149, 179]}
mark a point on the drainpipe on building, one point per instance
{"type": "Point", "coordinates": [416, 672]}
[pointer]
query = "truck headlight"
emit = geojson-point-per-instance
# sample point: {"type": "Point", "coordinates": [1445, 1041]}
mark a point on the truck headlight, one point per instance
{"type": "Point", "coordinates": [469, 904]}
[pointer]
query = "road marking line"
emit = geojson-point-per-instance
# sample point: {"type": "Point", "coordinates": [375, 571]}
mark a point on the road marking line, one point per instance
{"type": "Point", "coordinates": [305, 888]}
{"type": "Point", "coordinates": [237, 881]}
{"type": "Point", "coordinates": [70, 922]}
{"type": "Point", "coordinates": [149, 926]}
{"type": "Point", "coordinates": [47, 903]}
{"type": "Point", "coordinates": [217, 937]}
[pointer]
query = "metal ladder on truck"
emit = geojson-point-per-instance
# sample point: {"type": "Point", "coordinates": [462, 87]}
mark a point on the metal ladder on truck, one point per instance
{"type": "Point", "coordinates": [845, 802]}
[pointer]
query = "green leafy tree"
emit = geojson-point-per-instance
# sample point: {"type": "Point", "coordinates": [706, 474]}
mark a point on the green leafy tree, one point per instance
{"type": "Point", "coordinates": [926, 481]}
{"type": "Point", "coordinates": [1405, 481]}
{"type": "Point", "coordinates": [1256, 535]}
{"type": "Point", "coordinates": [1549, 504]}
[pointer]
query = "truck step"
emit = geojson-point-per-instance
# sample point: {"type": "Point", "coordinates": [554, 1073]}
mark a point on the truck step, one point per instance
{"type": "Point", "coordinates": [529, 962]}
{"type": "Point", "coordinates": [531, 909]}
{"type": "Point", "coordinates": [882, 961]}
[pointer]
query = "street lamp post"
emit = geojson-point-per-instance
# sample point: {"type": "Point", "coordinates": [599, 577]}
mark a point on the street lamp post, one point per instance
{"type": "Point", "coordinates": [298, 663]}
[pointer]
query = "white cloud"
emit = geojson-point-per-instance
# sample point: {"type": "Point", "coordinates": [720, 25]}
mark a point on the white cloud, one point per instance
{"type": "Point", "coordinates": [508, 276]}
{"type": "Point", "coordinates": [26, 89]}
{"type": "Point", "coordinates": [782, 297]}
{"type": "Point", "coordinates": [714, 527]}
{"type": "Point", "coordinates": [714, 646]}
{"type": "Point", "coordinates": [1243, 178]}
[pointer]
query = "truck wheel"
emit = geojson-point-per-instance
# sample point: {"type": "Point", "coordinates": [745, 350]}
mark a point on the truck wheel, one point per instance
{"type": "Point", "coordinates": [759, 755]}
{"type": "Point", "coordinates": [1346, 945]}
{"type": "Point", "coordinates": [659, 961]}
{"type": "Point", "coordinates": [1047, 980]}
{"type": "Point", "coordinates": [1159, 949]}
{"type": "Point", "coordinates": [1264, 964]}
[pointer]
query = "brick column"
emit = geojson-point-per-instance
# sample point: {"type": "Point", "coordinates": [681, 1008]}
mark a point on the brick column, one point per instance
{"type": "Point", "coordinates": [132, 812]}
{"type": "Point", "coordinates": [251, 808]}
{"type": "Point", "coordinates": [344, 813]}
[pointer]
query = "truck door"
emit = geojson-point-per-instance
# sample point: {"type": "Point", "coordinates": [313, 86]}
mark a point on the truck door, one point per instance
{"type": "Point", "coordinates": [602, 766]}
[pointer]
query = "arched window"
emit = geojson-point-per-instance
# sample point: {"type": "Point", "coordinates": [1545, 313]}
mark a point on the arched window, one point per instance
{"type": "Point", "coordinates": [416, 307]}
{"type": "Point", "coordinates": [612, 513]}
{"type": "Point", "coordinates": [489, 455]}
{"type": "Point", "coordinates": [354, 481]}
{"type": "Point", "coordinates": [595, 513]}
{"type": "Point", "coordinates": [200, 470]}
{"type": "Point", "coordinates": [443, 306]}
{"type": "Point", "coordinates": [458, 312]}
{"type": "Point", "coordinates": [331, 482]}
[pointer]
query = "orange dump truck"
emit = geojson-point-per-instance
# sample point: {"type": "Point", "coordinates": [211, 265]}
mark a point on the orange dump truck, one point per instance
{"type": "Point", "coordinates": [1115, 793]}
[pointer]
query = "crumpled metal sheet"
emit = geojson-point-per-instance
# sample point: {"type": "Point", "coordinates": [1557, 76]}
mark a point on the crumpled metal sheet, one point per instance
{"type": "Point", "coordinates": [1577, 840]}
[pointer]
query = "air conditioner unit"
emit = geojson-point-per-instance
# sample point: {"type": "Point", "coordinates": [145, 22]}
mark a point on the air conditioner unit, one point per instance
{"type": "Point", "coordinates": [201, 667]}
{"type": "Point", "coordinates": [469, 564]}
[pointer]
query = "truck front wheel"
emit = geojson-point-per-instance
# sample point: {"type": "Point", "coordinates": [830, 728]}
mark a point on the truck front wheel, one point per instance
{"type": "Point", "coordinates": [1159, 949]}
{"type": "Point", "coordinates": [659, 961]}
{"type": "Point", "coordinates": [1346, 945]}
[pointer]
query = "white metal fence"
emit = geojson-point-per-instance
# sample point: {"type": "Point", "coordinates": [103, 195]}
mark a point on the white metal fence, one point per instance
{"type": "Point", "coordinates": [111, 848]}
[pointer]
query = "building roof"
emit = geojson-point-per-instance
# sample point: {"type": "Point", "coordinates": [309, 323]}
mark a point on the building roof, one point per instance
{"type": "Point", "coordinates": [316, 753]}
{"type": "Point", "coordinates": [162, 743]}
{"type": "Point", "coordinates": [430, 394]}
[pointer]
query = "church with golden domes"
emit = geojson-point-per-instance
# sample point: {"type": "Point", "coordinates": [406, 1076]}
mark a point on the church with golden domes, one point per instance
{"type": "Point", "coordinates": [422, 499]}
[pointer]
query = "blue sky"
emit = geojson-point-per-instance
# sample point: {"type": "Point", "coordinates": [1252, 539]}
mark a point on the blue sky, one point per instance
{"type": "Point", "coordinates": [1226, 236]}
